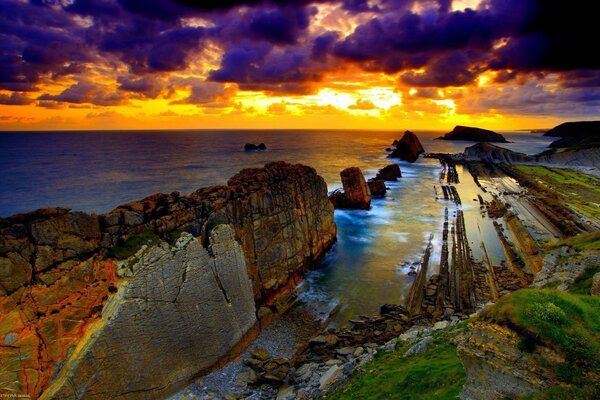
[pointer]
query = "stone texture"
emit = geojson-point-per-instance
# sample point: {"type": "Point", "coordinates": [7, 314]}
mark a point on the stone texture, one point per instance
{"type": "Point", "coordinates": [377, 187]}
{"type": "Point", "coordinates": [496, 369]}
{"type": "Point", "coordinates": [356, 194]}
{"type": "Point", "coordinates": [408, 148]}
{"type": "Point", "coordinates": [280, 214]}
{"type": "Point", "coordinates": [390, 173]}
{"type": "Point", "coordinates": [175, 317]}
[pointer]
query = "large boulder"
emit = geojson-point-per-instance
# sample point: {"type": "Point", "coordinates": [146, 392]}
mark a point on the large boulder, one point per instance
{"type": "Point", "coordinates": [389, 173]}
{"type": "Point", "coordinates": [473, 134]}
{"type": "Point", "coordinates": [356, 194]}
{"type": "Point", "coordinates": [377, 187]}
{"type": "Point", "coordinates": [407, 148]}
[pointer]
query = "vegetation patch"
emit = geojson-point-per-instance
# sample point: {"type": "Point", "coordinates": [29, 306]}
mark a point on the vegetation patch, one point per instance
{"type": "Point", "coordinates": [566, 322]}
{"type": "Point", "coordinates": [579, 191]}
{"type": "Point", "coordinates": [434, 374]}
{"type": "Point", "coordinates": [583, 283]}
{"type": "Point", "coordinates": [133, 243]}
{"type": "Point", "coordinates": [582, 242]}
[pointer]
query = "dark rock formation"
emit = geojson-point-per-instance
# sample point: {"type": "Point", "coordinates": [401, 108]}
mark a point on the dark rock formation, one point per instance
{"type": "Point", "coordinates": [389, 173]}
{"type": "Point", "coordinates": [487, 152]}
{"type": "Point", "coordinates": [56, 274]}
{"type": "Point", "coordinates": [408, 148]}
{"type": "Point", "coordinates": [576, 134]}
{"type": "Point", "coordinates": [473, 134]}
{"type": "Point", "coordinates": [494, 154]}
{"type": "Point", "coordinates": [252, 146]}
{"type": "Point", "coordinates": [377, 187]}
{"type": "Point", "coordinates": [356, 194]}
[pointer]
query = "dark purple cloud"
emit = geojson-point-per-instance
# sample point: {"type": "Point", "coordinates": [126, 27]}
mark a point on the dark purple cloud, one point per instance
{"type": "Point", "coordinates": [268, 44]}
{"type": "Point", "coordinates": [15, 99]}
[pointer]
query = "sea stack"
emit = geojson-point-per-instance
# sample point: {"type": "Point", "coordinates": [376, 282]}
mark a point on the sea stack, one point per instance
{"type": "Point", "coordinates": [356, 193]}
{"type": "Point", "coordinates": [473, 134]}
{"type": "Point", "coordinates": [408, 148]}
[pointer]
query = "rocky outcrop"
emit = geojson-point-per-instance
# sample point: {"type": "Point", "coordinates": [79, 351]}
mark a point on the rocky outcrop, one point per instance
{"type": "Point", "coordinates": [389, 173]}
{"type": "Point", "coordinates": [473, 134]}
{"type": "Point", "coordinates": [497, 369]}
{"type": "Point", "coordinates": [57, 270]}
{"type": "Point", "coordinates": [407, 148]}
{"type": "Point", "coordinates": [486, 152]}
{"type": "Point", "coordinates": [184, 308]}
{"type": "Point", "coordinates": [356, 193]}
{"type": "Point", "coordinates": [494, 154]}
{"type": "Point", "coordinates": [252, 146]}
{"type": "Point", "coordinates": [582, 133]}
{"type": "Point", "coordinates": [377, 187]}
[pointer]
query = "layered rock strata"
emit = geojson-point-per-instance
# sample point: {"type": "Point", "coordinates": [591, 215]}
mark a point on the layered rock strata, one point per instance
{"type": "Point", "coordinates": [57, 271]}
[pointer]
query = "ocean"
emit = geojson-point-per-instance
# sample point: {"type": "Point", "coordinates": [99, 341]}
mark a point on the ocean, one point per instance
{"type": "Point", "coordinates": [95, 171]}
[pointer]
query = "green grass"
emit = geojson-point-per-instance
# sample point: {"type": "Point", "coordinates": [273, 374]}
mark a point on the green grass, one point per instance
{"type": "Point", "coordinates": [132, 245]}
{"type": "Point", "coordinates": [434, 374]}
{"type": "Point", "coordinates": [582, 242]}
{"type": "Point", "coordinates": [583, 283]}
{"type": "Point", "coordinates": [577, 190]}
{"type": "Point", "coordinates": [566, 322]}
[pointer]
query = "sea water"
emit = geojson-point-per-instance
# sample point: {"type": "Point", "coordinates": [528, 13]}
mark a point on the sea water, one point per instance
{"type": "Point", "coordinates": [95, 171]}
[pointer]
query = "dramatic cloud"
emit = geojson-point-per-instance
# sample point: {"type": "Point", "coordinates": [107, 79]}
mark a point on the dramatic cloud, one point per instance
{"type": "Point", "coordinates": [113, 52]}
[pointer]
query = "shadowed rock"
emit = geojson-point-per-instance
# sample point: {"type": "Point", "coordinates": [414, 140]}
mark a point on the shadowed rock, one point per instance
{"type": "Point", "coordinates": [356, 194]}
{"type": "Point", "coordinates": [252, 146]}
{"type": "Point", "coordinates": [377, 187]}
{"type": "Point", "coordinates": [576, 134]}
{"type": "Point", "coordinates": [408, 148]}
{"type": "Point", "coordinates": [473, 134]}
{"type": "Point", "coordinates": [389, 173]}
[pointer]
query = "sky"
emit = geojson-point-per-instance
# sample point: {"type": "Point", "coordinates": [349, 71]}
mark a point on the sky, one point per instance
{"type": "Point", "coordinates": [297, 64]}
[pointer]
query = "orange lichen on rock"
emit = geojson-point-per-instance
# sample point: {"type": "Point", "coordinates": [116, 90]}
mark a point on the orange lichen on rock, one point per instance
{"type": "Point", "coordinates": [41, 324]}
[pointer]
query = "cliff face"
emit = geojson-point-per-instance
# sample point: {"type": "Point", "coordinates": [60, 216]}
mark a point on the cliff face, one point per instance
{"type": "Point", "coordinates": [183, 309]}
{"type": "Point", "coordinates": [56, 273]}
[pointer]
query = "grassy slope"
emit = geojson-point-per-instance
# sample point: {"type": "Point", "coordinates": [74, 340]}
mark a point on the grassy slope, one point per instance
{"type": "Point", "coordinates": [434, 374]}
{"type": "Point", "coordinates": [567, 322]}
{"type": "Point", "coordinates": [582, 242]}
{"type": "Point", "coordinates": [579, 191]}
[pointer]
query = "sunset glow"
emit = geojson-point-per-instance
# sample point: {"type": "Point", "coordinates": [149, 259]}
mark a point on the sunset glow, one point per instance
{"type": "Point", "coordinates": [334, 64]}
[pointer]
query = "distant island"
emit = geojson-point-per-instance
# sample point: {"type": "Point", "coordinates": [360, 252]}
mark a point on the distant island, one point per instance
{"type": "Point", "coordinates": [473, 134]}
